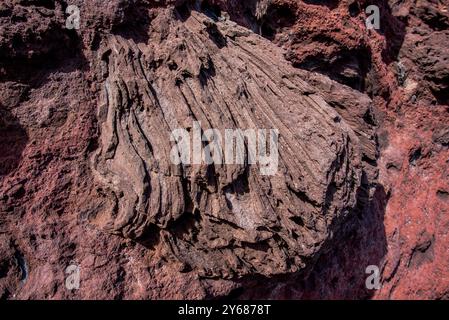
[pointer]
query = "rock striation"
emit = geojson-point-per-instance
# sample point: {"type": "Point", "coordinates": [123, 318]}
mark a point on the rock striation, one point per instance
{"type": "Point", "coordinates": [223, 221]}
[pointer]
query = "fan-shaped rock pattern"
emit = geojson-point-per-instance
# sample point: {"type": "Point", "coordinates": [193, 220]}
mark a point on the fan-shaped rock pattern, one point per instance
{"type": "Point", "coordinates": [222, 220]}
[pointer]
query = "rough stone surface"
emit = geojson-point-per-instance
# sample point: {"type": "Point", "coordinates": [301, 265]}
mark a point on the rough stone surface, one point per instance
{"type": "Point", "coordinates": [85, 170]}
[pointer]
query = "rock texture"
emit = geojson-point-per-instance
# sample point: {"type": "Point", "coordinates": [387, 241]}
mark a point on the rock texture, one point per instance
{"type": "Point", "coordinates": [85, 170]}
{"type": "Point", "coordinates": [222, 221]}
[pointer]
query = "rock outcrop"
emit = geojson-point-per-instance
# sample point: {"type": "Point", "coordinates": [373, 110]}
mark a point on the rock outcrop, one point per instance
{"type": "Point", "coordinates": [86, 169]}
{"type": "Point", "coordinates": [222, 220]}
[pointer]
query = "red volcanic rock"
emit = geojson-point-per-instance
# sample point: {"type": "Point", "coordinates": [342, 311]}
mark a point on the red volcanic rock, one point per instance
{"type": "Point", "coordinates": [86, 177]}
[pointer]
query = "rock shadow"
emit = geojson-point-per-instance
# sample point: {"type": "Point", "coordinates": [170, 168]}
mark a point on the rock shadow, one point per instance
{"type": "Point", "coordinates": [135, 22]}
{"type": "Point", "coordinates": [63, 53]}
{"type": "Point", "coordinates": [13, 140]}
{"type": "Point", "coordinates": [394, 30]}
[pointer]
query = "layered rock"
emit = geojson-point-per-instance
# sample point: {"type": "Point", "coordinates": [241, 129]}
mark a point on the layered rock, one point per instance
{"type": "Point", "coordinates": [222, 220]}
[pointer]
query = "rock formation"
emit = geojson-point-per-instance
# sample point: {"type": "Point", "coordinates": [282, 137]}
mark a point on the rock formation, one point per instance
{"type": "Point", "coordinates": [87, 178]}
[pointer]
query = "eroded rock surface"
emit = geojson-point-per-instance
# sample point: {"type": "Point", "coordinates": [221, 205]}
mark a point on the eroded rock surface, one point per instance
{"type": "Point", "coordinates": [85, 171]}
{"type": "Point", "coordinates": [222, 221]}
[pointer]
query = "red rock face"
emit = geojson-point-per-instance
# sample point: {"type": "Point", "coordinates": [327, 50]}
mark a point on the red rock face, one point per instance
{"type": "Point", "coordinates": [85, 175]}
